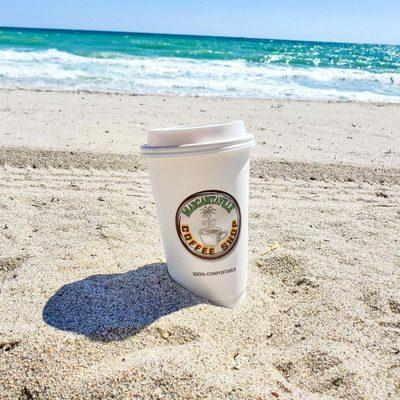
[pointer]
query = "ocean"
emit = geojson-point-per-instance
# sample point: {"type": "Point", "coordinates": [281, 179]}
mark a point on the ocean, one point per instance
{"type": "Point", "coordinates": [198, 65]}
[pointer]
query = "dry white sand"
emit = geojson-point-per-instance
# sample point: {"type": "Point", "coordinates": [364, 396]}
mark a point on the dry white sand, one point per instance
{"type": "Point", "coordinates": [88, 310]}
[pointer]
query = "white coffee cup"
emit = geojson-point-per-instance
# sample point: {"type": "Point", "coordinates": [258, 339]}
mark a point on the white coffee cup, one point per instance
{"type": "Point", "coordinates": [200, 181]}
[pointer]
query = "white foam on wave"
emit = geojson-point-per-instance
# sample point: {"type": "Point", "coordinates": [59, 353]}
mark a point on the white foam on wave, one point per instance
{"type": "Point", "coordinates": [54, 69]}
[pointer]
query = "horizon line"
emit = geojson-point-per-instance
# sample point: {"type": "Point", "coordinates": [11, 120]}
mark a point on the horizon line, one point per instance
{"type": "Point", "coordinates": [195, 35]}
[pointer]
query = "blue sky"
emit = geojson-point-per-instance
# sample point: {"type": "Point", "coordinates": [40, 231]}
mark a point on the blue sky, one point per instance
{"type": "Point", "coordinates": [326, 20]}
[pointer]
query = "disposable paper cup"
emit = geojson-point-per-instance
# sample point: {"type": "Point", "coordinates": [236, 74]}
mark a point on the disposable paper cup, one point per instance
{"type": "Point", "coordinates": [200, 181]}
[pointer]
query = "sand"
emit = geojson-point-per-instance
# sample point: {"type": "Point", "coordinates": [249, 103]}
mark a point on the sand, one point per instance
{"type": "Point", "coordinates": [88, 310]}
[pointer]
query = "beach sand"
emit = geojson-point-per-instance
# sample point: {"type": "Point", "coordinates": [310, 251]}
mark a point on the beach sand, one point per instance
{"type": "Point", "coordinates": [88, 310]}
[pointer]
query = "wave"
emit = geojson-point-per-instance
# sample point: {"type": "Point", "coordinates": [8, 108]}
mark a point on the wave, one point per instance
{"type": "Point", "coordinates": [113, 72]}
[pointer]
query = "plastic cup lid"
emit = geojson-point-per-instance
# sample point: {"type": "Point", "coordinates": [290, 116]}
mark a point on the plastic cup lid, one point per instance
{"type": "Point", "coordinates": [195, 139]}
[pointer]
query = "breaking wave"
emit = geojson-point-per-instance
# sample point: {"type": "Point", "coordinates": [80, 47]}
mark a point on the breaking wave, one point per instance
{"type": "Point", "coordinates": [115, 72]}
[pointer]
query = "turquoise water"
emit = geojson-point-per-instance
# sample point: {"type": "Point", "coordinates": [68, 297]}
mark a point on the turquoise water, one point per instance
{"type": "Point", "coordinates": [198, 65]}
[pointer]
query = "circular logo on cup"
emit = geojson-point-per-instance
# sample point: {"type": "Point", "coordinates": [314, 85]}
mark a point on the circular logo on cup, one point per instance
{"type": "Point", "coordinates": [208, 223]}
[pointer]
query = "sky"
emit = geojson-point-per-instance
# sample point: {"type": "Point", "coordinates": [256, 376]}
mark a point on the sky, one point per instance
{"type": "Point", "coordinates": [363, 21]}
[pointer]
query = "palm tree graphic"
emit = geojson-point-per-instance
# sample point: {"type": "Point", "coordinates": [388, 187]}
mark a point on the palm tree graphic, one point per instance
{"type": "Point", "coordinates": [207, 212]}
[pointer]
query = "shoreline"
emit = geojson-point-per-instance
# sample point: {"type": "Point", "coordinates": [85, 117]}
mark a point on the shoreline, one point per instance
{"type": "Point", "coordinates": [99, 92]}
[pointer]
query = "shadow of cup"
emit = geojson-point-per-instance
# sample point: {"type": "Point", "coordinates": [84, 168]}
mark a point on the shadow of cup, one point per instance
{"type": "Point", "coordinates": [116, 306]}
